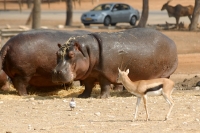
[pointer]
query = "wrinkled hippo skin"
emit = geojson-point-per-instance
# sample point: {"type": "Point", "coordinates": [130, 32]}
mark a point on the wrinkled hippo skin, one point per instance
{"type": "Point", "coordinates": [146, 52]}
{"type": "Point", "coordinates": [29, 57]}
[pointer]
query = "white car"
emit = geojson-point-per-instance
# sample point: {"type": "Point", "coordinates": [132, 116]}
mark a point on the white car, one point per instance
{"type": "Point", "coordinates": [111, 14]}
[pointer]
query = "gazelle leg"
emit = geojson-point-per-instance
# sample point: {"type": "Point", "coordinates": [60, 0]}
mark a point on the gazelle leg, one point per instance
{"type": "Point", "coordinates": [170, 101]}
{"type": "Point", "coordinates": [136, 108]}
{"type": "Point", "coordinates": [145, 106]}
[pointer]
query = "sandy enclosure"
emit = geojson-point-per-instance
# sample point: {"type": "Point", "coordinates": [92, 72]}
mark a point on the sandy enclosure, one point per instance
{"type": "Point", "coordinates": [50, 113]}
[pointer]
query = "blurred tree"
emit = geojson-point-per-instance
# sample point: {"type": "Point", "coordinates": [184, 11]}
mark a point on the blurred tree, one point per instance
{"type": "Point", "coordinates": [145, 14]}
{"type": "Point", "coordinates": [69, 12]}
{"type": "Point", "coordinates": [195, 16]}
{"type": "Point", "coordinates": [29, 3]}
{"type": "Point", "coordinates": [36, 14]}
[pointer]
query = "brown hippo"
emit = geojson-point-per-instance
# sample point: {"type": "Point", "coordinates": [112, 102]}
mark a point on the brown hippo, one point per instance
{"type": "Point", "coordinates": [29, 57]}
{"type": "Point", "coordinates": [4, 83]}
{"type": "Point", "coordinates": [146, 52]}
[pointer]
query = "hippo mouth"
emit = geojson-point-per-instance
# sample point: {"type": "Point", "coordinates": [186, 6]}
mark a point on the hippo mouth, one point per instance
{"type": "Point", "coordinates": [60, 77]}
{"type": "Point", "coordinates": [61, 81]}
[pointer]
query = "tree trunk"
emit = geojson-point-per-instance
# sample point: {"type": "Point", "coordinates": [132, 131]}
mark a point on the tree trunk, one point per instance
{"type": "Point", "coordinates": [30, 18]}
{"type": "Point", "coordinates": [145, 14]}
{"type": "Point", "coordinates": [29, 4]}
{"type": "Point", "coordinates": [195, 16]}
{"type": "Point", "coordinates": [36, 14]}
{"type": "Point", "coordinates": [69, 12]}
{"type": "Point", "coordinates": [20, 5]}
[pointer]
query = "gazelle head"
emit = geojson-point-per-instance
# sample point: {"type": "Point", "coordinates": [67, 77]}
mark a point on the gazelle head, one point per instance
{"type": "Point", "coordinates": [122, 75]}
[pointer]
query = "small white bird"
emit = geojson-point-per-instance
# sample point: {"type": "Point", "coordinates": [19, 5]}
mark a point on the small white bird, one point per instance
{"type": "Point", "coordinates": [72, 104]}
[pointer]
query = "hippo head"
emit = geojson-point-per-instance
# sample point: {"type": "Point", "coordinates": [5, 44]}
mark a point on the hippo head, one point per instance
{"type": "Point", "coordinates": [72, 62]}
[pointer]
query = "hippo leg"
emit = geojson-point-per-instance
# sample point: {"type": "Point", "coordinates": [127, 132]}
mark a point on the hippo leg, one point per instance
{"type": "Point", "coordinates": [118, 87]}
{"type": "Point", "coordinates": [20, 83]}
{"type": "Point", "coordinates": [105, 88]}
{"type": "Point", "coordinates": [6, 86]}
{"type": "Point", "coordinates": [89, 84]}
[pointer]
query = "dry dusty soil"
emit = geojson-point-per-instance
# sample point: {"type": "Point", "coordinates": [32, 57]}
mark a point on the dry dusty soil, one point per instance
{"type": "Point", "coordinates": [50, 112]}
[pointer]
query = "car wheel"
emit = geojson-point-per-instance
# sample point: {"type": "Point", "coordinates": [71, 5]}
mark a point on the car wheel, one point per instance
{"type": "Point", "coordinates": [133, 20]}
{"type": "Point", "coordinates": [113, 24]}
{"type": "Point", "coordinates": [107, 21]}
{"type": "Point", "coordinates": [86, 24]}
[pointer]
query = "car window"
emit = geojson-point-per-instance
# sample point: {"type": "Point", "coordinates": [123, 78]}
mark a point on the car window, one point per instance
{"type": "Point", "coordinates": [102, 7]}
{"type": "Point", "coordinates": [125, 7]}
{"type": "Point", "coordinates": [117, 7]}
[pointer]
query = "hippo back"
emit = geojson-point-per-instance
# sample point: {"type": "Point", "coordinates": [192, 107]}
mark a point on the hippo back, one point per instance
{"type": "Point", "coordinates": [146, 52]}
{"type": "Point", "coordinates": [32, 55]}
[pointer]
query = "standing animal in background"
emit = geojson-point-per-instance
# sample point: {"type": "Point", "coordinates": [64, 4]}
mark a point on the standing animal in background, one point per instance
{"type": "Point", "coordinates": [29, 57]}
{"type": "Point", "coordinates": [144, 88]}
{"type": "Point", "coordinates": [98, 56]}
{"type": "Point", "coordinates": [178, 11]}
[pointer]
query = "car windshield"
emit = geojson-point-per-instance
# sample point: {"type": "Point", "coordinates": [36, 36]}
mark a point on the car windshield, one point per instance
{"type": "Point", "coordinates": [102, 7]}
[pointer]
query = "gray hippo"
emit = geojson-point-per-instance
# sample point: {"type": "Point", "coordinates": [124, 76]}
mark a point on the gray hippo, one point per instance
{"type": "Point", "coordinates": [146, 52]}
{"type": "Point", "coordinates": [29, 57]}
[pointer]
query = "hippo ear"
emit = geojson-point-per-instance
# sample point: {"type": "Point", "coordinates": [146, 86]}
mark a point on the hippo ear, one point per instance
{"type": "Point", "coordinates": [59, 45]}
{"type": "Point", "coordinates": [78, 47]}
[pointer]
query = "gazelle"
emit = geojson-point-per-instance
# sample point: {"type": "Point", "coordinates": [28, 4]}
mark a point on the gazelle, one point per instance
{"type": "Point", "coordinates": [144, 88]}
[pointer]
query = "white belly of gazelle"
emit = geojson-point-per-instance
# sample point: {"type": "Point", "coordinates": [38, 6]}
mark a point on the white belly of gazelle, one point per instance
{"type": "Point", "coordinates": [154, 93]}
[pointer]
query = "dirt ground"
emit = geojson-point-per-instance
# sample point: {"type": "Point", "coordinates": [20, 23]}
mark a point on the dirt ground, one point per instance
{"type": "Point", "coordinates": [50, 113]}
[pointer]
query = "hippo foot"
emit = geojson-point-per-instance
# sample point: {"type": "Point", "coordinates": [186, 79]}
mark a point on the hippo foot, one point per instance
{"type": "Point", "coordinates": [118, 88]}
{"type": "Point", "coordinates": [83, 95]}
{"type": "Point", "coordinates": [106, 95]}
{"type": "Point", "coordinates": [22, 93]}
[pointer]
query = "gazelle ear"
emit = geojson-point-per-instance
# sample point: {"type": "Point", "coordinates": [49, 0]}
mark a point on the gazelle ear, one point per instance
{"type": "Point", "coordinates": [119, 69]}
{"type": "Point", "coordinates": [127, 71]}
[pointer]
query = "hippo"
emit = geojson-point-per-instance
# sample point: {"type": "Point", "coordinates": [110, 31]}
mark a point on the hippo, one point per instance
{"type": "Point", "coordinates": [29, 57]}
{"type": "Point", "coordinates": [146, 52]}
{"type": "Point", "coordinates": [4, 82]}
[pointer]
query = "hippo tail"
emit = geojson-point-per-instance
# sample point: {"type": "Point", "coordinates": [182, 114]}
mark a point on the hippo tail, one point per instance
{"type": "Point", "coordinates": [3, 53]}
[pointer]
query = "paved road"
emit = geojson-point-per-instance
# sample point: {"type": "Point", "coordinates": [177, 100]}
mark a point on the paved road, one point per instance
{"type": "Point", "coordinates": [155, 17]}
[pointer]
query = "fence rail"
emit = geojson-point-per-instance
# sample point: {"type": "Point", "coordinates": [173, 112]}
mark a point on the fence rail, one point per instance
{"type": "Point", "coordinates": [5, 34]}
